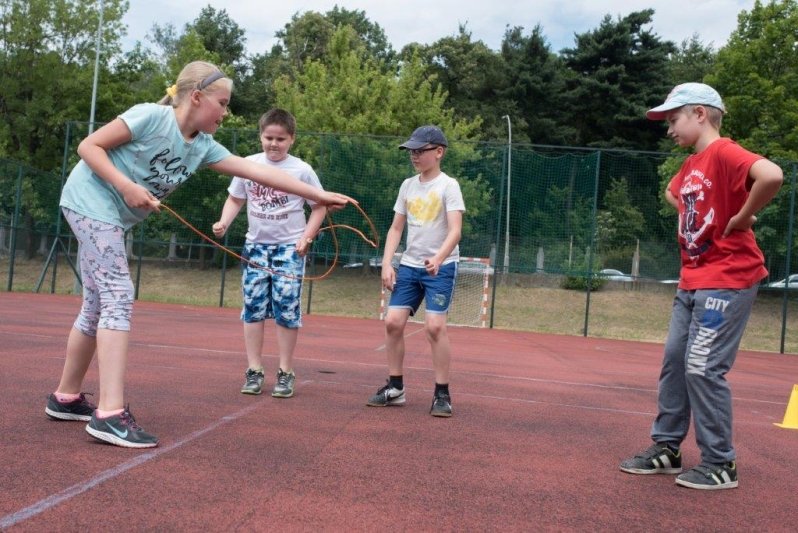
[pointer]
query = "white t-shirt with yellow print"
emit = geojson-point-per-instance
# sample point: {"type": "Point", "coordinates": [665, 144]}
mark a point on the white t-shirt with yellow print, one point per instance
{"type": "Point", "coordinates": [425, 204]}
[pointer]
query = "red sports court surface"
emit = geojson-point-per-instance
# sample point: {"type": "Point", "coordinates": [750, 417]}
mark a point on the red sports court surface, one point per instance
{"type": "Point", "coordinates": [541, 423]}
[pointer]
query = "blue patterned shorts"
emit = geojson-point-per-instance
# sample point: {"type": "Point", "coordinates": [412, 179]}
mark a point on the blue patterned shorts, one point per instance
{"type": "Point", "coordinates": [268, 295]}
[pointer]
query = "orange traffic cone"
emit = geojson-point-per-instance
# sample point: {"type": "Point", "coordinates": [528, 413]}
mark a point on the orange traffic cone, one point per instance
{"type": "Point", "coordinates": [791, 414]}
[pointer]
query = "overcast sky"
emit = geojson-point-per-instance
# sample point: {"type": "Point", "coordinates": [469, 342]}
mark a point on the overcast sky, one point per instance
{"type": "Point", "coordinates": [426, 21]}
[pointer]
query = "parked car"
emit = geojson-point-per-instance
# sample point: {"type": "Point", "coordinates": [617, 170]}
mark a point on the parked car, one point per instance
{"type": "Point", "coordinates": [791, 282]}
{"type": "Point", "coordinates": [614, 275]}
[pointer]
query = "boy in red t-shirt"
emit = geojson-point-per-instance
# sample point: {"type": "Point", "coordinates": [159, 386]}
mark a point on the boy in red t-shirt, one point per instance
{"type": "Point", "coordinates": [717, 192]}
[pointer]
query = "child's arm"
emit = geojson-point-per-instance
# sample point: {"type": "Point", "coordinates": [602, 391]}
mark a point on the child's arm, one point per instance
{"type": "Point", "coordinates": [94, 152]}
{"type": "Point", "coordinates": [767, 178]}
{"type": "Point", "coordinates": [671, 199]}
{"type": "Point", "coordinates": [315, 219]}
{"type": "Point", "coordinates": [229, 211]}
{"type": "Point", "coordinates": [273, 177]}
{"type": "Point", "coordinates": [392, 240]}
{"type": "Point", "coordinates": [454, 220]}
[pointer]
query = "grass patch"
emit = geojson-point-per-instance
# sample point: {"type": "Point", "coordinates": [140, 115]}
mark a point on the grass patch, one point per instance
{"type": "Point", "coordinates": [639, 312]}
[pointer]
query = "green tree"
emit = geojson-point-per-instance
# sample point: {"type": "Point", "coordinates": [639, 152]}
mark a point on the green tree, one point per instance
{"type": "Point", "coordinates": [757, 75]}
{"type": "Point", "coordinates": [691, 61]}
{"type": "Point", "coordinates": [220, 35]}
{"type": "Point", "coordinates": [620, 223]}
{"type": "Point", "coordinates": [474, 77]}
{"type": "Point", "coordinates": [617, 71]}
{"type": "Point", "coordinates": [307, 38]}
{"type": "Point", "coordinates": [535, 85]}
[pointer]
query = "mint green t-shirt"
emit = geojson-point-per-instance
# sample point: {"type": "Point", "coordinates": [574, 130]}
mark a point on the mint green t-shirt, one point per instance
{"type": "Point", "coordinates": [157, 157]}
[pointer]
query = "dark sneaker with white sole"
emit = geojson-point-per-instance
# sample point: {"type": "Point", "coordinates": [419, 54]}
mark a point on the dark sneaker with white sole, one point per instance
{"type": "Point", "coordinates": [80, 409]}
{"type": "Point", "coordinates": [120, 430]}
{"type": "Point", "coordinates": [387, 395]}
{"type": "Point", "coordinates": [253, 382]}
{"type": "Point", "coordinates": [710, 477]}
{"type": "Point", "coordinates": [441, 405]}
{"type": "Point", "coordinates": [659, 458]}
{"type": "Point", "coordinates": [284, 386]}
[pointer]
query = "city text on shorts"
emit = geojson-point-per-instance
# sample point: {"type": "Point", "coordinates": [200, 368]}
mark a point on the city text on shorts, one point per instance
{"type": "Point", "coordinates": [387, 395]}
{"type": "Point", "coordinates": [710, 477]}
{"type": "Point", "coordinates": [120, 430]}
{"type": "Point", "coordinates": [659, 458]}
{"type": "Point", "coordinates": [253, 382]}
{"type": "Point", "coordinates": [441, 405]}
{"type": "Point", "coordinates": [79, 409]}
{"type": "Point", "coordinates": [284, 388]}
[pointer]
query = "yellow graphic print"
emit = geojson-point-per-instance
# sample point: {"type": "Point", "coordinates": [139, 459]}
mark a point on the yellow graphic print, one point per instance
{"type": "Point", "coordinates": [423, 210]}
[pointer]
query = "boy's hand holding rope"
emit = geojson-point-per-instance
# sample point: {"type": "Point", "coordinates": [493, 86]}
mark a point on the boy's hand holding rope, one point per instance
{"type": "Point", "coordinates": [374, 243]}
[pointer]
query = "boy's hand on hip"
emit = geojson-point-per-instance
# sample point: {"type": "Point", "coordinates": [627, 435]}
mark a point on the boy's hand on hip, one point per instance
{"type": "Point", "coordinates": [739, 223]}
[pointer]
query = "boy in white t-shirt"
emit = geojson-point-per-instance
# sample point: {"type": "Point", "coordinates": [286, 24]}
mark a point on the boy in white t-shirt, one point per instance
{"type": "Point", "coordinates": [432, 206]}
{"type": "Point", "coordinates": [278, 239]}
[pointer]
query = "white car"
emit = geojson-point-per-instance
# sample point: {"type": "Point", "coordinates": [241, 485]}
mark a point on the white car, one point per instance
{"type": "Point", "coordinates": [791, 283]}
{"type": "Point", "coordinates": [614, 275]}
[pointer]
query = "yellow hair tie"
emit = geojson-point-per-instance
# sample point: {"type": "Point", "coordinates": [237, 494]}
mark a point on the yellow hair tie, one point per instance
{"type": "Point", "coordinates": [172, 91]}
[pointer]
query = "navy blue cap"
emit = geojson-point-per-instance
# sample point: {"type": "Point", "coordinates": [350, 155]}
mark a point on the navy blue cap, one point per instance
{"type": "Point", "coordinates": [423, 136]}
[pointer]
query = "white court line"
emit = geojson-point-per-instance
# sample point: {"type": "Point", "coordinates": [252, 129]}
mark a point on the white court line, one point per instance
{"type": "Point", "coordinates": [75, 490]}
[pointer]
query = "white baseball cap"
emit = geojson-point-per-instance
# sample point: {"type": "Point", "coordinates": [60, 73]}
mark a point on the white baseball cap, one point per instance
{"type": "Point", "coordinates": [686, 94]}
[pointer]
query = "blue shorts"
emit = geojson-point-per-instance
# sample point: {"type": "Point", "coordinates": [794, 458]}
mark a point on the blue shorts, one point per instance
{"type": "Point", "coordinates": [268, 295]}
{"type": "Point", "coordinates": [414, 284]}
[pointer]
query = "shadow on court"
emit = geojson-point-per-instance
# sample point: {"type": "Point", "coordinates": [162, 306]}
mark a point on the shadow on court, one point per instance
{"type": "Point", "coordinates": [540, 424]}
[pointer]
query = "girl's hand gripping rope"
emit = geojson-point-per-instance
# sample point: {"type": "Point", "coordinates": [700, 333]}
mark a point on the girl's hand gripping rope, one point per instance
{"type": "Point", "coordinates": [335, 201]}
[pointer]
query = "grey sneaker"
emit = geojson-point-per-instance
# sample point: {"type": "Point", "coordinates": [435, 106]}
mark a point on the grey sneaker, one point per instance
{"type": "Point", "coordinates": [710, 477]}
{"type": "Point", "coordinates": [441, 405]}
{"type": "Point", "coordinates": [284, 388]}
{"type": "Point", "coordinates": [387, 396]}
{"type": "Point", "coordinates": [120, 430]}
{"type": "Point", "coordinates": [659, 458]}
{"type": "Point", "coordinates": [80, 409]}
{"type": "Point", "coordinates": [253, 383]}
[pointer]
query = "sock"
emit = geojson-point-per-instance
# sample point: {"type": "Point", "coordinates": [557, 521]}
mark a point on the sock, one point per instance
{"type": "Point", "coordinates": [109, 414]}
{"type": "Point", "coordinates": [66, 398]}
{"type": "Point", "coordinates": [396, 382]}
{"type": "Point", "coordinates": [442, 388]}
{"type": "Point", "coordinates": [260, 370]}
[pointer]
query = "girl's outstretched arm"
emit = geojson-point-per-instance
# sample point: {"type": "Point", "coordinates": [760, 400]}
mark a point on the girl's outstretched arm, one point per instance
{"type": "Point", "coordinates": [273, 177]}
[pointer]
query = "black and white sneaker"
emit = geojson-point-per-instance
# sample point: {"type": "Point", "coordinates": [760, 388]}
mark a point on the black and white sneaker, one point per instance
{"type": "Point", "coordinates": [387, 395]}
{"type": "Point", "coordinates": [80, 409]}
{"type": "Point", "coordinates": [120, 430]}
{"type": "Point", "coordinates": [710, 477]}
{"type": "Point", "coordinates": [659, 458]}
{"type": "Point", "coordinates": [441, 405]}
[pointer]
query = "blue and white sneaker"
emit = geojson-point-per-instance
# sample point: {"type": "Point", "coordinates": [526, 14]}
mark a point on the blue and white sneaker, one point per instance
{"type": "Point", "coordinates": [120, 430]}
{"type": "Point", "coordinates": [80, 409]}
{"type": "Point", "coordinates": [387, 395]}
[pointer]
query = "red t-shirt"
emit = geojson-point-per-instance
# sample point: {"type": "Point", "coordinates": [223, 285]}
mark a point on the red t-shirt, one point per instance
{"type": "Point", "coordinates": [711, 188]}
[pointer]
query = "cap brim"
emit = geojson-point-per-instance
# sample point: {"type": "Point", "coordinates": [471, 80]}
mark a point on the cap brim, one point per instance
{"type": "Point", "coordinates": [661, 111]}
{"type": "Point", "coordinates": [412, 145]}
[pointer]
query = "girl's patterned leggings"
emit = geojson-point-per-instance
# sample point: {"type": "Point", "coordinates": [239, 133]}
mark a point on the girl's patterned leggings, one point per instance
{"type": "Point", "coordinates": [107, 287]}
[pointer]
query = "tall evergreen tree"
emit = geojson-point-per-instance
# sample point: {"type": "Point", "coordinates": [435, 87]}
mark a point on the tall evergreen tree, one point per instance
{"type": "Point", "coordinates": [617, 71]}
